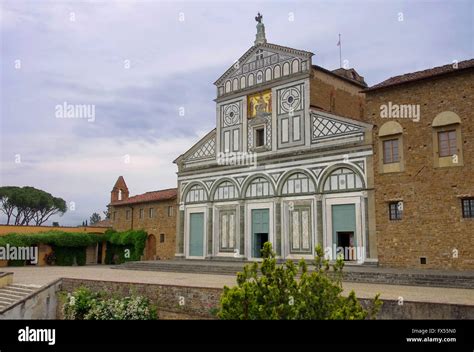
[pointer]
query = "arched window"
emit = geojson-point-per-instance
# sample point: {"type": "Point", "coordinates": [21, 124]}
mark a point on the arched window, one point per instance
{"type": "Point", "coordinates": [295, 66]}
{"type": "Point", "coordinates": [242, 82]}
{"type": "Point", "coordinates": [391, 147]}
{"type": "Point", "coordinates": [277, 71]}
{"type": "Point", "coordinates": [259, 187]}
{"type": "Point", "coordinates": [196, 194]}
{"type": "Point", "coordinates": [447, 140]}
{"type": "Point", "coordinates": [286, 69]}
{"type": "Point", "coordinates": [342, 179]}
{"type": "Point", "coordinates": [298, 183]}
{"type": "Point", "coordinates": [251, 79]}
{"type": "Point", "coordinates": [225, 190]}
{"type": "Point", "coordinates": [235, 84]}
{"type": "Point", "coordinates": [227, 86]}
{"type": "Point", "coordinates": [268, 74]}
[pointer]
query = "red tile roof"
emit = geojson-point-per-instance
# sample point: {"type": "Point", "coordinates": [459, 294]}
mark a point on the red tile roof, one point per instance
{"type": "Point", "coordinates": [154, 196]}
{"type": "Point", "coordinates": [102, 223]}
{"type": "Point", "coordinates": [419, 75]}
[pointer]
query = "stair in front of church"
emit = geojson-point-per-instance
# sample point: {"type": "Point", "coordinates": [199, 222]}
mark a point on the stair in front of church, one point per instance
{"type": "Point", "coordinates": [13, 293]}
{"type": "Point", "coordinates": [363, 274]}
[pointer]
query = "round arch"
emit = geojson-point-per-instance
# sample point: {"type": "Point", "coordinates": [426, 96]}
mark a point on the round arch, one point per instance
{"type": "Point", "coordinates": [290, 173]}
{"type": "Point", "coordinates": [328, 171]}
{"type": "Point", "coordinates": [252, 178]}
{"type": "Point", "coordinates": [446, 118]}
{"type": "Point", "coordinates": [390, 128]}
{"type": "Point", "coordinates": [189, 187]}
{"type": "Point", "coordinates": [215, 186]}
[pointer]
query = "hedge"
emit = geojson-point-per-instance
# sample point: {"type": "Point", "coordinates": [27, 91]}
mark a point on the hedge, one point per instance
{"type": "Point", "coordinates": [70, 248]}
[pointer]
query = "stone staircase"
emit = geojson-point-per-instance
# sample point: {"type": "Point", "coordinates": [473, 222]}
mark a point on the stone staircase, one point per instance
{"type": "Point", "coordinates": [13, 293]}
{"type": "Point", "coordinates": [363, 274]}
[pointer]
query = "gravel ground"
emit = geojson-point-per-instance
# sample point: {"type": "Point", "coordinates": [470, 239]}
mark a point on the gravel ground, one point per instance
{"type": "Point", "coordinates": [44, 275]}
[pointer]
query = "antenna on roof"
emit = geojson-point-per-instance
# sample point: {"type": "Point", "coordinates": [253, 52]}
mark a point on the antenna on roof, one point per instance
{"type": "Point", "coordinates": [340, 51]}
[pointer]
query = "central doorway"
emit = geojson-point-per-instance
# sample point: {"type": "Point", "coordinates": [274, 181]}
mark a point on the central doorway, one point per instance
{"type": "Point", "coordinates": [260, 231]}
{"type": "Point", "coordinates": [196, 235]}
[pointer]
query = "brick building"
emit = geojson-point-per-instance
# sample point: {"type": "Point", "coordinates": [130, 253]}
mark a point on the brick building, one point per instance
{"type": "Point", "coordinates": [424, 167]}
{"type": "Point", "coordinates": [154, 212]}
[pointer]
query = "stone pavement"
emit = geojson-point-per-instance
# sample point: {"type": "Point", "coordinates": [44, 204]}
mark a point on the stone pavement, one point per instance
{"type": "Point", "coordinates": [44, 275]}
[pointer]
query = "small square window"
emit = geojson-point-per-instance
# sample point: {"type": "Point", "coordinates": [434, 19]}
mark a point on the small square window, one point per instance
{"type": "Point", "coordinates": [151, 212]}
{"type": "Point", "coordinates": [162, 238]}
{"type": "Point", "coordinates": [260, 137]}
{"type": "Point", "coordinates": [467, 207]}
{"type": "Point", "coordinates": [395, 210]}
{"type": "Point", "coordinates": [170, 210]}
{"type": "Point", "coordinates": [141, 213]}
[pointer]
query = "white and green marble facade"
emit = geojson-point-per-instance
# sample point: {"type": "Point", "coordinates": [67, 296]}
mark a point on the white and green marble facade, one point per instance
{"type": "Point", "coordinates": [310, 161]}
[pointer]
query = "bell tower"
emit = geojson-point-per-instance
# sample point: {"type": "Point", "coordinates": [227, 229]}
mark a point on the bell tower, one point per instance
{"type": "Point", "coordinates": [120, 191]}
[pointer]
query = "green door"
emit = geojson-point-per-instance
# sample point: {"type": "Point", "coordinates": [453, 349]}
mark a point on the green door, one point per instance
{"type": "Point", "coordinates": [260, 230]}
{"type": "Point", "coordinates": [196, 234]}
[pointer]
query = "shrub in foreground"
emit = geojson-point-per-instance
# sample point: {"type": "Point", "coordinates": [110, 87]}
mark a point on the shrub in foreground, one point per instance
{"type": "Point", "coordinates": [290, 291]}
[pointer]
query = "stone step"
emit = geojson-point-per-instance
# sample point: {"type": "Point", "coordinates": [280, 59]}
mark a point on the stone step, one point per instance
{"type": "Point", "coordinates": [14, 292]}
{"type": "Point", "coordinates": [6, 294]}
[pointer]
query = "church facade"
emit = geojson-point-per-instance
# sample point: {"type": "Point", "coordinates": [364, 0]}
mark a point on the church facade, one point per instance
{"type": "Point", "coordinates": [289, 162]}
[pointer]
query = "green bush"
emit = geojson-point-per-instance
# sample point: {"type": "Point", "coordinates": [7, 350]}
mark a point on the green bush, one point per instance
{"type": "Point", "coordinates": [278, 294]}
{"type": "Point", "coordinates": [52, 238]}
{"type": "Point", "coordinates": [16, 263]}
{"type": "Point", "coordinates": [83, 304]}
{"type": "Point", "coordinates": [66, 256]}
{"type": "Point", "coordinates": [133, 240]}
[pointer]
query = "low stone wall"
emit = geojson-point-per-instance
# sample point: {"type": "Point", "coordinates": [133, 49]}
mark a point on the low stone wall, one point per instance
{"type": "Point", "coordinates": [173, 302]}
{"type": "Point", "coordinates": [41, 304]}
{"type": "Point", "coordinates": [185, 302]}
{"type": "Point", "coordinates": [391, 309]}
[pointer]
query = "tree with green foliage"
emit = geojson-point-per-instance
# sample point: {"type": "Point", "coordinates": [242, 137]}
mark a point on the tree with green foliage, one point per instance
{"type": "Point", "coordinates": [95, 218]}
{"type": "Point", "coordinates": [23, 205]}
{"type": "Point", "coordinates": [275, 292]}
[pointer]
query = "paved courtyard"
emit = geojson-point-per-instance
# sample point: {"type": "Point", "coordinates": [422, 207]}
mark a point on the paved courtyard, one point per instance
{"type": "Point", "coordinates": [44, 275]}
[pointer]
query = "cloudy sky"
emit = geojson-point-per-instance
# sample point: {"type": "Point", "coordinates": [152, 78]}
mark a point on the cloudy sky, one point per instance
{"type": "Point", "coordinates": [140, 62]}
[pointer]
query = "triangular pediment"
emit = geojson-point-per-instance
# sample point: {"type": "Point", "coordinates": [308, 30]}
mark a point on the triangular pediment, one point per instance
{"type": "Point", "coordinates": [261, 56]}
{"type": "Point", "coordinates": [325, 126]}
{"type": "Point", "coordinates": [205, 149]}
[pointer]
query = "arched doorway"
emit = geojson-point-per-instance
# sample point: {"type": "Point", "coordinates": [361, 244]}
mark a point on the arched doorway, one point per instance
{"type": "Point", "coordinates": [150, 247]}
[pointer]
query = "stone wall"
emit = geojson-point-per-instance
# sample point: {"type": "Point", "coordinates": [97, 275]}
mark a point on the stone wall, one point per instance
{"type": "Point", "coordinates": [172, 301]}
{"type": "Point", "coordinates": [185, 302]}
{"type": "Point", "coordinates": [432, 224]}
{"type": "Point", "coordinates": [159, 224]}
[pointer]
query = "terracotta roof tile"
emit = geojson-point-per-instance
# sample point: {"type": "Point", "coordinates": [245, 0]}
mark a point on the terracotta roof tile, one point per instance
{"type": "Point", "coordinates": [415, 76]}
{"type": "Point", "coordinates": [154, 196]}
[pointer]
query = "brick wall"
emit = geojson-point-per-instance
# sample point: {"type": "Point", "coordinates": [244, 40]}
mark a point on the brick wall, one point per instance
{"type": "Point", "coordinates": [348, 101]}
{"type": "Point", "coordinates": [159, 224]}
{"type": "Point", "coordinates": [432, 224]}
